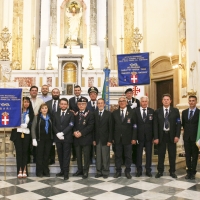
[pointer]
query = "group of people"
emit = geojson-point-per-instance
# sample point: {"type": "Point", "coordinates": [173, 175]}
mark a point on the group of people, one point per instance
{"type": "Point", "coordinates": [84, 129]}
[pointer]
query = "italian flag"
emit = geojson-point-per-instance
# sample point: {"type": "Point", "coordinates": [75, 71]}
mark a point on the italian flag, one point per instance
{"type": "Point", "coordinates": [198, 134]}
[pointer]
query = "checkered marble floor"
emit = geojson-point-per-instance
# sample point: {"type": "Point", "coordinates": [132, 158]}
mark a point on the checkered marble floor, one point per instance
{"type": "Point", "coordinates": [76, 188]}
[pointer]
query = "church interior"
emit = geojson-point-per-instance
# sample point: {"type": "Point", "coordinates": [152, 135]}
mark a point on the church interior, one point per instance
{"type": "Point", "coordinates": [63, 43]}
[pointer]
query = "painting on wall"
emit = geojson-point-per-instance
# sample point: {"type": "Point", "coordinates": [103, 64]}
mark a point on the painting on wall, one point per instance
{"type": "Point", "coordinates": [25, 81]}
{"type": "Point", "coordinates": [49, 81]}
{"type": "Point", "coordinates": [113, 82]}
{"type": "Point", "coordinates": [69, 89]}
{"type": "Point", "coordinates": [90, 81]}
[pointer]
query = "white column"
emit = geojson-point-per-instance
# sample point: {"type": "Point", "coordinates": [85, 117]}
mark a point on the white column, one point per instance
{"type": "Point", "coordinates": [193, 43]}
{"type": "Point", "coordinates": [79, 71]}
{"type": "Point", "coordinates": [27, 35]}
{"type": "Point", "coordinates": [101, 28]}
{"type": "Point", "coordinates": [44, 34]}
{"type": "Point", "coordinates": [59, 72]}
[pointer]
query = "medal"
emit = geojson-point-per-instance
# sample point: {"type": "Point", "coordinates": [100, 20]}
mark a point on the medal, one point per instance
{"type": "Point", "coordinates": [84, 122]}
{"type": "Point", "coordinates": [22, 135]}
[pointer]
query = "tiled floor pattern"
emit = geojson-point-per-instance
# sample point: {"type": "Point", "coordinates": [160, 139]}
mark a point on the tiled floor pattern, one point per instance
{"type": "Point", "coordinates": [76, 188]}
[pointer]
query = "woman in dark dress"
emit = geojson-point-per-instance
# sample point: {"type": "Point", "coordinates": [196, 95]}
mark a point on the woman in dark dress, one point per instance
{"type": "Point", "coordinates": [42, 137]}
{"type": "Point", "coordinates": [21, 137]}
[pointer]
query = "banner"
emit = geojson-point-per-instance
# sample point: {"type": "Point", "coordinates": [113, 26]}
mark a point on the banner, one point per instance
{"type": "Point", "coordinates": [105, 92]}
{"type": "Point", "coordinates": [133, 69]}
{"type": "Point", "coordinates": [10, 107]}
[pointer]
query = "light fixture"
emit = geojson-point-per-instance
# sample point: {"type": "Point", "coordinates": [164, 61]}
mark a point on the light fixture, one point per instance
{"type": "Point", "coordinates": [179, 66]}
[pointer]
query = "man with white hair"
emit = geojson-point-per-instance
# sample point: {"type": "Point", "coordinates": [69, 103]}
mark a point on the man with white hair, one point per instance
{"type": "Point", "coordinates": [123, 123]}
{"type": "Point", "coordinates": [143, 135]}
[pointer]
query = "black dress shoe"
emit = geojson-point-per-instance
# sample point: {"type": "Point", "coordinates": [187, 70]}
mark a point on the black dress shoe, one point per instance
{"type": "Point", "coordinates": [78, 173]}
{"type": "Point", "coordinates": [158, 175]}
{"type": "Point", "coordinates": [128, 175]}
{"type": "Point", "coordinates": [138, 174]}
{"type": "Point", "coordinates": [105, 176]}
{"type": "Point", "coordinates": [85, 175]}
{"type": "Point", "coordinates": [117, 174]}
{"type": "Point", "coordinates": [149, 174]}
{"type": "Point", "coordinates": [173, 175]}
{"type": "Point", "coordinates": [60, 174]}
{"type": "Point", "coordinates": [188, 176]}
{"type": "Point", "coordinates": [73, 159]}
{"type": "Point", "coordinates": [51, 162]}
{"type": "Point", "coordinates": [192, 177]}
{"type": "Point", "coordinates": [46, 175]}
{"type": "Point", "coordinates": [98, 175]}
{"type": "Point", "coordinates": [66, 177]}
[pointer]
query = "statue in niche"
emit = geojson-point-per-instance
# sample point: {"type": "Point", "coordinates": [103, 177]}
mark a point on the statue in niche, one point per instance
{"type": "Point", "coordinates": [73, 17]}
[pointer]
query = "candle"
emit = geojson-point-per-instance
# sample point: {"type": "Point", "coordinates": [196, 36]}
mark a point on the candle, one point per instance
{"type": "Point", "coordinates": [33, 26]}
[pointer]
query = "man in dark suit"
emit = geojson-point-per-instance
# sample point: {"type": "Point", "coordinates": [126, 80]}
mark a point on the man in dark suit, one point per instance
{"type": "Point", "coordinates": [167, 128]}
{"type": "Point", "coordinates": [144, 135]}
{"type": "Point", "coordinates": [83, 130]}
{"type": "Point", "coordinates": [123, 123]}
{"type": "Point", "coordinates": [53, 107]}
{"type": "Point", "coordinates": [92, 107]}
{"type": "Point", "coordinates": [102, 139]}
{"type": "Point", "coordinates": [63, 129]}
{"type": "Point", "coordinates": [132, 103]}
{"type": "Point", "coordinates": [74, 108]}
{"type": "Point", "coordinates": [190, 119]}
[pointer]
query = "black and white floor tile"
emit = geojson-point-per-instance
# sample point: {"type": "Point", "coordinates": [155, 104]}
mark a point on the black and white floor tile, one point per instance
{"type": "Point", "coordinates": [76, 188]}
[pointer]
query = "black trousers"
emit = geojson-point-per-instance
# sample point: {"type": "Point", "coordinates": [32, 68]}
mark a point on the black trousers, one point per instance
{"type": "Point", "coordinates": [64, 154]}
{"type": "Point", "coordinates": [52, 153]}
{"type": "Point", "coordinates": [21, 147]}
{"type": "Point", "coordinates": [85, 149]}
{"type": "Point", "coordinates": [191, 156]}
{"type": "Point", "coordinates": [162, 146]}
{"type": "Point", "coordinates": [118, 156]}
{"type": "Point", "coordinates": [73, 151]}
{"type": "Point", "coordinates": [148, 150]}
{"type": "Point", "coordinates": [42, 152]}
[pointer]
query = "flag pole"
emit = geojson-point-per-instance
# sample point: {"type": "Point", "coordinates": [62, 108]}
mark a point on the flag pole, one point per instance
{"type": "Point", "coordinates": [4, 154]}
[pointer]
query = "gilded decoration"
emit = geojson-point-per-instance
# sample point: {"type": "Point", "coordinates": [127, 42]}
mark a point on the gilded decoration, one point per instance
{"type": "Point", "coordinates": [72, 23]}
{"type": "Point", "coordinates": [69, 73]}
{"type": "Point", "coordinates": [53, 25]}
{"type": "Point", "coordinates": [182, 39]}
{"type": "Point", "coordinates": [17, 31]}
{"type": "Point", "coordinates": [128, 25]}
{"type": "Point", "coordinates": [93, 21]}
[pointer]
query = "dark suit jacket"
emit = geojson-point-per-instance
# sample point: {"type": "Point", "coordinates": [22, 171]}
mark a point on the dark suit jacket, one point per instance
{"type": "Point", "coordinates": [123, 130]}
{"type": "Point", "coordinates": [73, 105]}
{"type": "Point", "coordinates": [136, 101]}
{"type": "Point", "coordinates": [190, 126]}
{"type": "Point", "coordinates": [144, 130]}
{"type": "Point", "coordinates": [86, 127]}
{"type": "Point", "coordinates": [90, 108]}
{"type": "Point", "coordinates": [50, 106]}
{"type": "Point", "coordinates": [103, 127]}
{"type": "Point", "coordinates": [174, 120]}
{"type": "Point", "coordinates": [66, 126]}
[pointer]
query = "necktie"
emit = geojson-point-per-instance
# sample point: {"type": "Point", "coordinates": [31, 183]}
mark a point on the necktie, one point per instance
{"type": "Point", "coordinates": [144, 116]}
{"type": "Point", "coordinates": [166, 119]}
{"type": "Point", "coordinates": [77, 99]}
{"type": "Point", "coordinates": [122, 115]}
{"type": "Point", "coordinates": [93, 105]}
{"type": "Point", "coordinates": [62, 116]}
{"type": "Point", "coordinates": [191, 114]}
{"type": "Point", "coordinates": [54, 106]}
{"type": "Point", "coordinates": [100, 115]}
{"type": "Point", "coordinates": [129, 103]}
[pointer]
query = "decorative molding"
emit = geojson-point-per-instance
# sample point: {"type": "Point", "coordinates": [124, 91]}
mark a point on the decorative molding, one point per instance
{"type": "Point", "coordinates": [93, 21]}
{"type": "Point", "coordinates": [128, 25]}
{"type": "Point", "coordinates": [53, 25]}
{"type": "Point", "coordinates": [17, 27]}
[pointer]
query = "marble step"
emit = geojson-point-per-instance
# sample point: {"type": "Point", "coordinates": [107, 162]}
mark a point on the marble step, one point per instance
{"type": "Point", "coordinates": [11, 166]}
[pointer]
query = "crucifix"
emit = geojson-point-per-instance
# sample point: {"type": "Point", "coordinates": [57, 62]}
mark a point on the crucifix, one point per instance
{"type": "Point", "coordinates": [137, 38]}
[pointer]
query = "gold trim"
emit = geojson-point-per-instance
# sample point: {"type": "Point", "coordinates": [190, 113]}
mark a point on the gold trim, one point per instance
{"type": "Point", "coordinates": [83, 82]}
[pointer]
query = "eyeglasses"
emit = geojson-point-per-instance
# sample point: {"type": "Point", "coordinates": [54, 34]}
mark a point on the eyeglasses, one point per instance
{"type": "Point", "coordinates": [122, 101]}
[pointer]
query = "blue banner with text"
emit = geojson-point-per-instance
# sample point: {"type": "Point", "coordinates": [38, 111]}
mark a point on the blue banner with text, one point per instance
{"type": "Point", "coordinates": [133, 69]}
{"type": "Point", "coordinates": [10, 107]}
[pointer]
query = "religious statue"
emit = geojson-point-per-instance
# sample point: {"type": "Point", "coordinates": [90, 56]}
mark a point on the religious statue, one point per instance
{"type": "Point", "coordinates": [5, 73]}
{"type": "Point", "coordinates": [74, 15]}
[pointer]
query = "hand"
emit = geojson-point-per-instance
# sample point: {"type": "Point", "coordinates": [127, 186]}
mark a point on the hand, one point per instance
{"type": "Point", "coordinates": [34, 142]}
{"type": "Point", "coordinates": [62, 138]}
{"type": "Point", "coordinates": [23, 126]}
{"type": "Point", "coordinates": [109, 144]}
{"type": "Point", "coordinates": [133, 142]}
{"type": "Point", "coordinates": [94, 143]}
{"type": "Point", "coordinates": [176, 139]}
{"type": "Point", "coordinates": [60, 134]}
{"type": "Point", "coordinates": [134, 105]}
{"type": "Point", "coordinates": [156, 141]}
